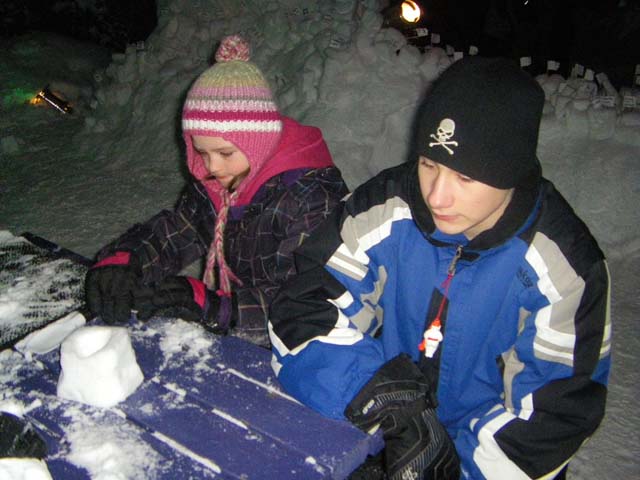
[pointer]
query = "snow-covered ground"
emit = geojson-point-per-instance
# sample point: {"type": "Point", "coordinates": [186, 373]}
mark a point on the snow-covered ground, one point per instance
{"type": "Point", "coordinates": [81, 179]}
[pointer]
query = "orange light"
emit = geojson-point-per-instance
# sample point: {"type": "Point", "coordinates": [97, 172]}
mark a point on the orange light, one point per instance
{"type": "Point", "coordinates": [410, 11]}
{"type": "Point", "coordinates": [36, 100]}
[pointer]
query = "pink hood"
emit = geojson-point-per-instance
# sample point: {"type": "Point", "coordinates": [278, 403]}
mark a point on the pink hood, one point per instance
{"type": "Point", "coordinates": [300, 146]}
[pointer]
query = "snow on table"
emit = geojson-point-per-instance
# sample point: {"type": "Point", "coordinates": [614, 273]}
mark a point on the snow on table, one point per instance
{"type": "Point", "coordinates": [36, 287]}
{"type": "Point", "coordinates": [209, 407]}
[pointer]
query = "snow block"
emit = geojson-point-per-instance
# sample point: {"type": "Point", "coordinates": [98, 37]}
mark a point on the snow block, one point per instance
{"type": "Point", "coordinates": [99, 366]}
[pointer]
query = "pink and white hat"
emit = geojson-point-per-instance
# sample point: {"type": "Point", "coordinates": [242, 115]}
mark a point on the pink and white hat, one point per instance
{"type": "Point", "coordinates": [232, 100]}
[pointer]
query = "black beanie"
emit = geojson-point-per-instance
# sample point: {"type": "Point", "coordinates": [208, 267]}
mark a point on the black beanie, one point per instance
{"type": "Point", "coordinates": [481, 117]}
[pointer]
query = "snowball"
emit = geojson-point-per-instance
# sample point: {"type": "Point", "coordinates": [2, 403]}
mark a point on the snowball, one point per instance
{"type": "Point", "coordinates": [23, 469]}
{"type": "Point", "coordinates": [99, 366]}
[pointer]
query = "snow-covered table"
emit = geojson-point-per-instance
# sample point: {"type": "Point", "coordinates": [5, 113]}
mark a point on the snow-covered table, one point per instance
{"type": "Point", "coordinates": [209, 407]}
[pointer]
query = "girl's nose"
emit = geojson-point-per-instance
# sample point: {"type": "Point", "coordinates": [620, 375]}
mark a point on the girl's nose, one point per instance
{"type": "Point", "coordinates": [212, 164]}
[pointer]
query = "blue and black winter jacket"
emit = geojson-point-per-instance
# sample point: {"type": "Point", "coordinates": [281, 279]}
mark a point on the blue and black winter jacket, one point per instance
{"type": "Point", "coordinates": [522, 370]}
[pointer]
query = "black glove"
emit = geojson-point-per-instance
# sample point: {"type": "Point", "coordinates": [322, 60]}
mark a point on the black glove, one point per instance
{"type": "Point", "coordinates": [184, 297]}
{"type": "Point", "coordinates": [18, 438]}
{"type": "Point", "coordinates": [398, 398]}
{"type": "Point", "coordinates": [109, 287]}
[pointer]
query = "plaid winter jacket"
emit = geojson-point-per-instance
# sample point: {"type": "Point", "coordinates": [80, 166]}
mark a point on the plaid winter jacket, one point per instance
{"type": "Point", "coordinates": [260, 235]}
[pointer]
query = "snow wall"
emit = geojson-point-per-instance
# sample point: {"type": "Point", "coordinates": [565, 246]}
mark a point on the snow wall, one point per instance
{"type": "Point", "coordinates": [331, 65]}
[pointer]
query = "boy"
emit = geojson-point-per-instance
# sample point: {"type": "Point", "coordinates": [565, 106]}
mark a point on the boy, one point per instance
{"type": "Point", "coordinates": [459, 283]}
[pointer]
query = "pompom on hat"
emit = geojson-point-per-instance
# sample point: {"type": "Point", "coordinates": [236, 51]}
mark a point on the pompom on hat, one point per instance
{"type": "Point", "coordinates": [233, 47]}
{"type": "Point", "coordinates": [233, 100]}
{"type": "Point", "coordinates": [481, 118]}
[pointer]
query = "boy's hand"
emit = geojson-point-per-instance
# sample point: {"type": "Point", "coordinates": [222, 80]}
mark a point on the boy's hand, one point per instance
{"type": "Point", "coordinates": [398, 398]}
{"type": "Point", "coordinates": [418, 446]}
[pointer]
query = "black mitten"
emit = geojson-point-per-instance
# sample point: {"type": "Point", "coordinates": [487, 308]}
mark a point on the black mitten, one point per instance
{"type": "Point", "coordinates": [418, 446]}
{"type": "Point", "coordinates": [109, 287]}
{"type": "Point", "coordinates": [178, 296]}
{"type": "Point", "coordinates": [398, 399]}
{"type": "Point", "coordinates": [18, 438]}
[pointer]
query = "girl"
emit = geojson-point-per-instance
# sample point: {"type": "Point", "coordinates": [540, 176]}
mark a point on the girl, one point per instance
{"type": "Point", "coordinates": [261, 183]}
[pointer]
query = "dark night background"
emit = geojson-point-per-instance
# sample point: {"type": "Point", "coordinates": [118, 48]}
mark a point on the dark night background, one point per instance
{"type": "Point", "coordinates": [603, 35]}
{"type": "Point", "coordinates": [110, 23]}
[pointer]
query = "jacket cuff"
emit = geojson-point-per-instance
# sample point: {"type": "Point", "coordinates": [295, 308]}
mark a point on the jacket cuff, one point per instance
{"type": "Point", "coordinates": [118, 258]}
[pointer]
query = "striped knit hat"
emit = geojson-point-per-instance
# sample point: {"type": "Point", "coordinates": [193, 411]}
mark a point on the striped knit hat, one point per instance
{"type": "Point", "coordinates": [232, 100]}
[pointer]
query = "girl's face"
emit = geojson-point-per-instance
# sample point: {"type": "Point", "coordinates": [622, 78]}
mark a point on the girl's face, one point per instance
{"type": "Point", "coordinates": [223, 160]}
{"type": "Point", "coordinates": [459, 204]}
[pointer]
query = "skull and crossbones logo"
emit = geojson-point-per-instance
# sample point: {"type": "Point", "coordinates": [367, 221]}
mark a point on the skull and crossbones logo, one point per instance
{"type": "Point", "coordinates": [445, 132]}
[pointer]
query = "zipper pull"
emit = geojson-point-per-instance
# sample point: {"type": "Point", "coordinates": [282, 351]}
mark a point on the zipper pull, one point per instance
{"type": "Point", "coordinates": [431, 339]}
{"type": "Point", "coordinates": [452, 266]}
{"type": "Point", "coordinates": [432, 336]}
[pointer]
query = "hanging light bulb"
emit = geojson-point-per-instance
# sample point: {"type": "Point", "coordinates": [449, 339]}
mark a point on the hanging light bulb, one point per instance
{"type": "Point", "coordinates": [410, 11]}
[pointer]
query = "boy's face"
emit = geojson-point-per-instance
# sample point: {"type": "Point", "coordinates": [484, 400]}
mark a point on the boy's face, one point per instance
{"type": "Point", "coordinates": [223, 160]}
{"type": "Point", "coordinates": [459, 204]}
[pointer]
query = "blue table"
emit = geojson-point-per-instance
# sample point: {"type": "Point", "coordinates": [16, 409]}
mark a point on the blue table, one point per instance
{"type": "Point", "coordinates": [212, 409]}
{"type": "Point", "coordinates": [209, 407]}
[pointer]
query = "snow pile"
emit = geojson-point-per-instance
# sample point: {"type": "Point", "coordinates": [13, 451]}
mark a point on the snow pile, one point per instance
{"type": "Point", "coordinates": [592, 107]}
{"type": "Point", "coordinates": [143, 89]}
{"type": "Point", "coordinates": [99, 366]}
{"type": "Point", "coordinates": [330, 64]}
{"type": "Point", "coordinates": [309, 52]}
